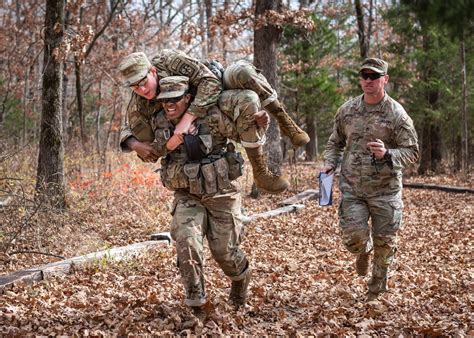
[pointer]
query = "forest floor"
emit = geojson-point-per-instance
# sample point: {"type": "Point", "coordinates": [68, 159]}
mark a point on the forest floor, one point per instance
{"type": "Point", "coordinates": [304, 282]}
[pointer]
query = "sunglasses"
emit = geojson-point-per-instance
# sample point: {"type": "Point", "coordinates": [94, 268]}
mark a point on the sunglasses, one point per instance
{"type": "Point", "coordinates": [140, 83]}
{"type": "Point", "coordinates": [172, 99]}
{"type": "Point", "coordinates": [372, 76]}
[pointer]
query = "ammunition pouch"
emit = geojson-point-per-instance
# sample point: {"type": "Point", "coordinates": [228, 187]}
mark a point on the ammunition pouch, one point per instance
{"type": "Point", "coordinates": [209, 176]}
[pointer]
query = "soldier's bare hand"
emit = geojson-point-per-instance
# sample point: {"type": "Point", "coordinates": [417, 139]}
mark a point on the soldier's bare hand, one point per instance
{"type": "Point", "coordinates": [262, 118]}
{"type": "Point", "coordinates": [184, 124]}
{"type": "Point", "coordinates": [175, 141]}
{"type": "Point", "coordinates": [325, 169]}
{"type": "Point", "coordinates": [146, 152]}
{"type": "Point", "coordinates": [377, 148]}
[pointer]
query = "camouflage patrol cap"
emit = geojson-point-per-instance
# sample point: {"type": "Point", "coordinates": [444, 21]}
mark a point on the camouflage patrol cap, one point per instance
{"type": "Point", "coordinates": [134, 67]}
{"type": "Point", "coordinates": [377, 65]}
{"type": "Point", "coordinates": [173, 86]}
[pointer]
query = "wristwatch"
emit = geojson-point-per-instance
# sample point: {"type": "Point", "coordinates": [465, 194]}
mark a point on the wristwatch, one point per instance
{"type": "Point", "coordinates": [388, 155]}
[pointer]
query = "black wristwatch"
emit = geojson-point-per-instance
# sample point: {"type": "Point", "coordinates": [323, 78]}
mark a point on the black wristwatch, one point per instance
{"type": "Point", "coordinates": [388, 155]}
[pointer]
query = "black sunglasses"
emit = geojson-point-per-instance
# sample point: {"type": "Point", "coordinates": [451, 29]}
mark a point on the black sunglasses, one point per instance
{"type": "Point", "coordinates": [372, 76]}
{"type": "Point", "coordinates": [172, 99]}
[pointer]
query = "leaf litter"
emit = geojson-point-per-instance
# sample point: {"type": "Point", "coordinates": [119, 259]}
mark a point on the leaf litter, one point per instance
{"type": "Point", "coordinates": [304, 282]}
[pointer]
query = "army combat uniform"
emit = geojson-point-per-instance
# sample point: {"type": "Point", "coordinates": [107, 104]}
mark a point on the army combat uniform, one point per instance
{"type": "Point", "coordinates": [206, 88]}
{"type": "Point", "coordinates": [371, 187]}
{"type": "Point", "coordinates": [207, 203]}
{"type": "Point", "coordinates": [239, 105]}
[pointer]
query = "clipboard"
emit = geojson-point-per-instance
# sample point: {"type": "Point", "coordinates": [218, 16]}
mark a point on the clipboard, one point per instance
{"type": "Point", "coordinates": [325, 189]}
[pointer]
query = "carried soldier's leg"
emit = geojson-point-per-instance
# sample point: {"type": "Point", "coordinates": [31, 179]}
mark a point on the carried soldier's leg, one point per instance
{"type": "Point", "coordinates": [224, 236]}
{"type": "Point", "coordinates": [354, 216]}
{"type": "Point", "coordinates": [386, 214]}
{"type": "Point", "coordinates": [187, 229]}
{"type": "Point", "coordinates": [243, 75]}
{"type": "Point", "coordinates": [241, 106]}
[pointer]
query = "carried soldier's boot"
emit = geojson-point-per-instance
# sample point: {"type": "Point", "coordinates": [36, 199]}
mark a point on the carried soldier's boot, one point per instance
{"type": "Point", "coordinates": [263, 178]}
{"type": "Point", "coordinates": [288, 127]}
{"type": "Point", "coordinates": [362, 264]}
{"type": "Point", "coordinates": [238, 291]}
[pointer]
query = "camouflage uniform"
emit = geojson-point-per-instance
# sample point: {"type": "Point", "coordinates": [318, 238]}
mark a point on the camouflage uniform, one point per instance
{"type": "Point", "coordinates": [206, 88]}
{"type": "Point", "coordinates": [369, 187]}
{"type": "Point", "coordinates": [206, 203]}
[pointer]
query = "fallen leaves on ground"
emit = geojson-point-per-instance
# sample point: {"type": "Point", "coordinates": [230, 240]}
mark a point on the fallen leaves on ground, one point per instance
{"type": "Point", "coordinates": [304, 282]}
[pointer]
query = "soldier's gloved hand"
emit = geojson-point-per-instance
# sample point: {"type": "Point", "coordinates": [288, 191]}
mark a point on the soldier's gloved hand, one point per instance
{"type": "Point", "coordinates": [184, 124]}
{"type": "Point", "coordinates": [174, 141]}
{"type": "Point", "coordinates": [377, 148]}
{"type": "Point", "coordinates": [262, 118]}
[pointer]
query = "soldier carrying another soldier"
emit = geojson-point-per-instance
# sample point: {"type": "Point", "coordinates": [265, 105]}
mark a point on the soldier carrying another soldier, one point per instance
{"type": "Point", "coordinates": [142, 77]}
{"type": "Point", "coordinates": [200, 167]}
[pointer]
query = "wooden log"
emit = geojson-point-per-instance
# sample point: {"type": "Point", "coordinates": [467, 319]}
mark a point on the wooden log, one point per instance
{"type": "Point", "coordinates": [438, 187]}
{"type": "Point", "coordinates": [283, 210]}
{"type": "Point", "coordinates": [300, 197]}
{"type": "Point", "coordinates": [63, 267]}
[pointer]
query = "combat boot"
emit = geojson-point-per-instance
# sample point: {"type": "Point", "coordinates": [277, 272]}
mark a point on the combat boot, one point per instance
{"type": "Point", "coordinates": [378, 282]}
{"type": "Point", "coordinates": [362, 264]}
{"type": "Point", "coordinates": [288, 127]}
{"type": "Point", "coordinates": [238, 290]}
{"type": "Point", "coordinates": [263, 178]}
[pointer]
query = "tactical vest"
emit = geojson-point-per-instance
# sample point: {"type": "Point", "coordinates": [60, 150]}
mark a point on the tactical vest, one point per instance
{"type": "Point", "coordinates": [211, 173]}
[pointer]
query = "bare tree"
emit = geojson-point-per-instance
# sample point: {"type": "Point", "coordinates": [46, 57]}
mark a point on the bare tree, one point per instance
{"type": "Point", "coordinates": [50, 173]}
{"type": "Point", "coordinates": [364, 37]}
{"type": "Point", "coordinates": [266, 39]}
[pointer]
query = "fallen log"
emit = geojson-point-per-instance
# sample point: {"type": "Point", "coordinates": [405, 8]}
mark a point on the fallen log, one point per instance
{"type": "Point", "coordinates": [63, 267]}
{"type": "Point", "coordinates": [283, 210]}
{"type": "Point", "coordinates": [300, 197]}
{"type": "Point", "coordinates": [438, 187]}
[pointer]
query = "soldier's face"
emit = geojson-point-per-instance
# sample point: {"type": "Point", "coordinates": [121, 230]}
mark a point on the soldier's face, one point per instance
{"type": "Point", "coordinates": [372, 87]}
{"type": "Point", "coordinates": [175, 107]}
{"type": "Point", "coordinates": [147, 86]}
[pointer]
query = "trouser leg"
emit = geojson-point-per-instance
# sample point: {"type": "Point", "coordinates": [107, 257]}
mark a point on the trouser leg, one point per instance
{"type": "Point", "coordinates": [241, 106]}
{"type": "Point", "coordinates": [386, 214]}
{"type": "Point", "coordinates": [224, 234]}
{"type": "Point", "coordinates": [353, 222]}
{"type": "Point", "coordinates": [188, 229]}
{"type": "Point", "coordinates": [243, 75]}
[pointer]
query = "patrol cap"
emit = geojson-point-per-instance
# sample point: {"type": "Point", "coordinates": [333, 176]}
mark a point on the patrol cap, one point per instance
{"type": "Point", "coordinates": [377, 65]}
{"type": "Point", "coordinates": [173, 86]}
{"type": "Point", "coordinates": [134, 67]}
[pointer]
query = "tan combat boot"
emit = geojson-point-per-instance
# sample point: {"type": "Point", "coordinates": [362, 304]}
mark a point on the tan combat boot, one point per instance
{"type": "Point", "coordinates": [263, 178]}
{"type": "Point", "coordinates": [238, 291]}
{"type": "Point", "coordinates": [288, 127]}
{"type": "Point", "coordinates": [362, 264]}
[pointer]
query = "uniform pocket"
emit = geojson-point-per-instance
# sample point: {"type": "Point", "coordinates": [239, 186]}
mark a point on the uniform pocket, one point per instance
{"type": "Point", "coordinates": [141, 129]}
{"type": "Point", "coordinates": [397, 207]}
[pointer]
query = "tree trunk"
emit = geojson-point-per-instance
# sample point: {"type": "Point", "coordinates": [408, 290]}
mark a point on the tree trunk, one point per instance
{"type": "Point", "coordinates": [266, 40]}
{"type": "Point", "coordinates": [364, 37]}
{"type": "Point", "coordinates": [312, 146]}
{"type": "Point", "coordinates": [50, 184]}
{"type": "Point", "coordinates": [210, 38]}
{"type": "Point", "coordinates": [464, 124]}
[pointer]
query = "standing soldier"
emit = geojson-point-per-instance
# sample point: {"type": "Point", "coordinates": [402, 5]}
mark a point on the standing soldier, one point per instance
{"type": "Point", "coordinates": [375, 139]}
